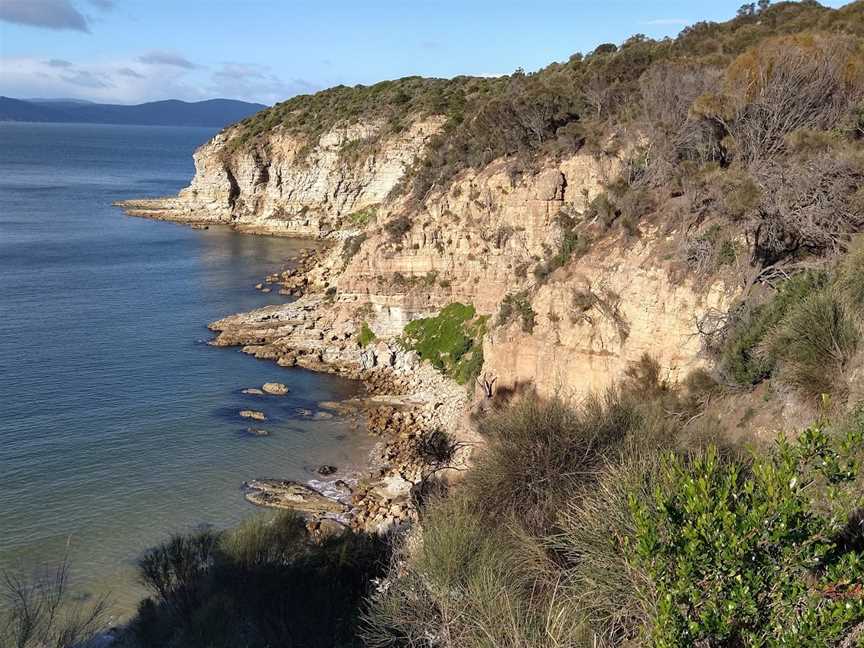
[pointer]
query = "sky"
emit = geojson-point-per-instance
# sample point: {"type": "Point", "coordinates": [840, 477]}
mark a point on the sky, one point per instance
{"type": "Point", "coordinates": [131, 51]}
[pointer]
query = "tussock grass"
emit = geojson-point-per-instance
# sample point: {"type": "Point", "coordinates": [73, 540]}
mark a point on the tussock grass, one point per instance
{"type": "Point", "coordinates": [813, 342]}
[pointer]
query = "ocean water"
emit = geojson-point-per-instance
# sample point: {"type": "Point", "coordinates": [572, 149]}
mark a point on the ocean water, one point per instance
{"type": "Point", "coordinates": [119, 423]}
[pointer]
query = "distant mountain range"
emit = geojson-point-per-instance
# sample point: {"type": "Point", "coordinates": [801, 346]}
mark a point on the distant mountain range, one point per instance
{"type": "Point", "coordinates": [214, 112]}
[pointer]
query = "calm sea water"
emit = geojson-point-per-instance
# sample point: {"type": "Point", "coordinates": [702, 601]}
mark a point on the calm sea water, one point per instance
{"type": "Point", "coordinates": [118, 424]}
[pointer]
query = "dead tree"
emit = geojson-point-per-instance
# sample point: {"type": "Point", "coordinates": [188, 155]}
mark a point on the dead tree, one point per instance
{"type": "Point", "coordinates": [487, 384]}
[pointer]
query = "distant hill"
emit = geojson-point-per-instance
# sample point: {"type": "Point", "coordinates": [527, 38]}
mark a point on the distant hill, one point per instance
{"type": "Point", "coordinates": [214, 112]}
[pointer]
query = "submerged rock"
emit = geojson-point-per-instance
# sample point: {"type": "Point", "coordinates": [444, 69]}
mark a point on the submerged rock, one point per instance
{"type": "Point", "coordinates": [326, 470]}
{"type": "Point", "coordinates": [258, 432]}
{"type": "Point", "coordinates": [274, 389]}
{"type": "Point", "coordinates": [252, 391]}
{"type": "Point", "coordinates": [253, 414]}
{"type": "Point", "coordinates": [284, 494]}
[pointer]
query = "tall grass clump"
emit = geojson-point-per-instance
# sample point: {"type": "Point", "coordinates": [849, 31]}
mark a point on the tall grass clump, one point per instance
{"type": "Point", "coordinates": [464, 582]}
{"type": "Point", "coordinates": [850, 279]}
{"type": "Point", "coordinates": [613, 596]}
{"type": "Point", "coordinates": [42, 612]}
{"type": "Point", "coordinates": [539, 450]}
{"type": "Point", "coordinates": [741, 360]}
{"type": "Point", "coordinates": [813, 343]}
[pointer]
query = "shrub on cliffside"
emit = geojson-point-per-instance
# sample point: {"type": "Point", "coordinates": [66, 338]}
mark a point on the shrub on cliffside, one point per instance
{"type": "Point", "coordinates": [805, 334]}
{"type": "Point", "coordinates": [451, 341]}
{"type": "Point", "coordinates": [755, 555]}
{"type": "Point", "coordinates": [607, 526]}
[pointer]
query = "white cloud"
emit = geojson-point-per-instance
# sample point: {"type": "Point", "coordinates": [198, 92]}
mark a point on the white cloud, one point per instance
{"type": "Point", "coordinates": [253, 82]}
{"type": "Point", "coordinates": [131, 81]}
{"type": "Point", "coordinates": [161, 57]}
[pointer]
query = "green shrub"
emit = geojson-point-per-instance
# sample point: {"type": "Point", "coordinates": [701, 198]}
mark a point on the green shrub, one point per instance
{"type": "Point", "coordinates": [754, 555]}
{"type": "Point", "coordinates": [362, 217]}
{"type": "Point", "coordinates": [366, 336]}
{"type": "Point", "coordinates": [741, 359]}
{"type": "Point", "coordinates": [850, 279]}
{"type": "Point", "coordinates": [265, 583]}
{"type": "Point", "coordinates": [539, 452]}
{"type": "Point", "coordinates": [452, 341]}
{"type": "Point", "coordinates": [174, 571]}
{"type": "Point", "coordinates": [813, 341]}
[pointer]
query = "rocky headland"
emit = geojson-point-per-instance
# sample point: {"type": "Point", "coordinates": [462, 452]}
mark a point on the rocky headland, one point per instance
{"type": "Point", "coordinates": [571, 269]}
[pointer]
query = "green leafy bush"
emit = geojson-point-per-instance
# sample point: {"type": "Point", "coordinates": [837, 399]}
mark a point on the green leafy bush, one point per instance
{"type": "Point", "coordinates": [754, 555]}
{"type": "Point", "coordinates": [451, 341]}
{"type": "Point", "coordinates": [362, 217]}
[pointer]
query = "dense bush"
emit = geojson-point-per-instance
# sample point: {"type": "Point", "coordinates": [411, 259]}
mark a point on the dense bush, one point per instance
{"type": "Point", "coordinates": [366, 336]}
{"type": "Point", "coordinates": [451, 341]}
{"type": "Point", "coordinates": [755, 555]}
{"type": "Point", "coordinates": [604, 526]}
{"type": "Point", "coordinates": [265, 583]}
{"type": "Point", "coordinates": [537, 451]}
{"type": "Point", "coordinates": [743, 360]}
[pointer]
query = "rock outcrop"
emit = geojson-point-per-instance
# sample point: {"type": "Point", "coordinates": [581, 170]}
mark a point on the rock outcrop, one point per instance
{"type": "Point", "coordinates": [285, 186]}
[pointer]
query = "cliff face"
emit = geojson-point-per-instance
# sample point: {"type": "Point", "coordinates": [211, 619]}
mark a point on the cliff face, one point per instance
{"type": "Point", "coordinates": [477, 240]}
{"type": "Point", "coordinates": [285, 186]}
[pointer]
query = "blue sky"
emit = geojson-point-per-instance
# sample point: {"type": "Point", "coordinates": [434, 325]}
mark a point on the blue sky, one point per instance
{"type": "Point", "coordinates": [129, 51]}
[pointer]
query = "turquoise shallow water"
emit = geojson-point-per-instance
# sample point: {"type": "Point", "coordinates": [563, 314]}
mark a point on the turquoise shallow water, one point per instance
{"type": "Point", "coordinates": [119, 423]}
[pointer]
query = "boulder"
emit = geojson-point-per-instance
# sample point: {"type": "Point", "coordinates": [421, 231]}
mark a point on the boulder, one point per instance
{"type": "Point", "coordinates": [253, 414]}
{"type": "Point", "coordinates": [326, 470]}
{"type": "Point", "coordinates": [274, 389]}
{"type": "Point", "coordinates": [284, 494]}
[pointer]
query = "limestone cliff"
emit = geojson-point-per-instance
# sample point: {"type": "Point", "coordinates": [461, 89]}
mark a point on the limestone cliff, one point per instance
{"type": "Point", "coordinates": [287, 185]}
{"type": "Point", "coordinates": [477, 240]}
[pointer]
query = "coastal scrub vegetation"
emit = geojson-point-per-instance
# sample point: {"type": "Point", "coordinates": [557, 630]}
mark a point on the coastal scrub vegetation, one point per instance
{"type": "Point", "coordinates": [451, 341]}
{"type": "Point", "coordinates": [264, 583]}
{"type": "Point", "coordinates": [805, 333]}
{"type": "Point", "coordinates": [615, 523]}
{"type": "Point", "coordinates": [735, 94]}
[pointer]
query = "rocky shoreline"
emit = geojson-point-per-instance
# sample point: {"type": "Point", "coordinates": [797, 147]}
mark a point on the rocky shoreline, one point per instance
{"type": "Point", "coordinates": [405, 402]}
